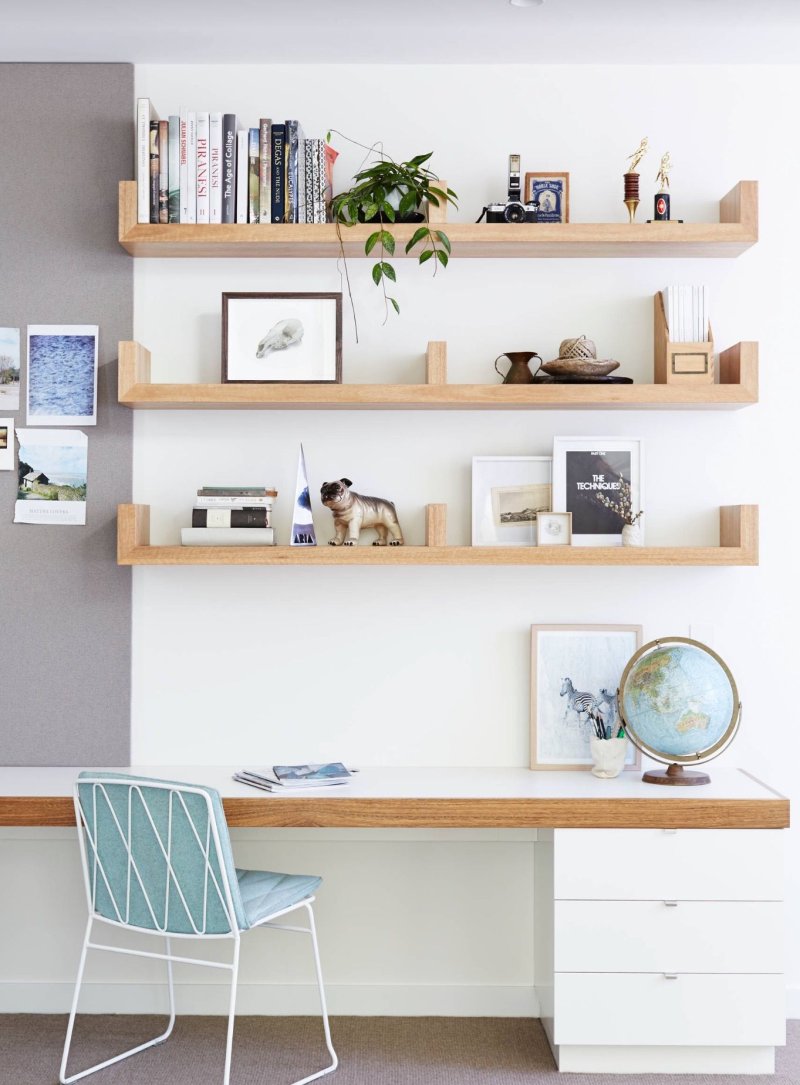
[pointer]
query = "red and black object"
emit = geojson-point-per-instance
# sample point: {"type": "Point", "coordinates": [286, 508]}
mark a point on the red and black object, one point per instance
{"type": "Point", "coordinates": [661, 207]}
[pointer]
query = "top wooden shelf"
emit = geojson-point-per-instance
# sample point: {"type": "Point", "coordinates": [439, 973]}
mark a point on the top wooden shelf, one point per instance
{"type": "Point", "coordinates": [735, 232]}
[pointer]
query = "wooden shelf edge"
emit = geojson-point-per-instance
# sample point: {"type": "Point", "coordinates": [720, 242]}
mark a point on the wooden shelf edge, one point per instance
{"type": "Point", "coordinates": [738, 546]}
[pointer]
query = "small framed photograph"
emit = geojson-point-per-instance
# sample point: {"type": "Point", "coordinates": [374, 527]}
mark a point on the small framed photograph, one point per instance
{"type": "Point", "coordinates": [554, 529]}
{"type": "Point", "coordinates": [281, 338]}
{"type": "Point", "coordinates": [575, 673]}
{"type": "Point", "coordinates": [508, 494]}
{"type": "Point", "coordinates": [551, 192]}
{"type": "Point", "coordinates": [600, 481]}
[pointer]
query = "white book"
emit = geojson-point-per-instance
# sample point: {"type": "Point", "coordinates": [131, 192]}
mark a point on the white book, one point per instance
{"type": "Point", "coordinates": [191, 166]}
{"type": "Point", "coordinates": [144, 114]}
{"type": "Point", "coordinates": [183, 165]}
{"type": "Point", "coordinates": [202, 168]}
{"type": "Point", "coordinates": [233, 502]}
{"type": "Point", "coordinates": [227, 536]}
{"type": "Point", "coordinates": [215, 166]}
{"type": "Point", "coordinates": [242, 178]}
{"type": "Point", "coordinates": [705, 313]}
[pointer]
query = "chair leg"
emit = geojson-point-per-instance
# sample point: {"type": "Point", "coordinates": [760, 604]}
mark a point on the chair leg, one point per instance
{"type": "Point", "coordinates": [231, 1013]}
{"type": "Point", "coordinates": [126, 1054]}
{"type": "Point", "coordinates": [312, 930]}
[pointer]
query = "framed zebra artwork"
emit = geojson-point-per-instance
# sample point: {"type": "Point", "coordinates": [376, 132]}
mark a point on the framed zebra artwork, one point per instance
{"type": "Point", "coordinates": [575, 672]}
{"type": "Point", "coordinates": [600, 481]}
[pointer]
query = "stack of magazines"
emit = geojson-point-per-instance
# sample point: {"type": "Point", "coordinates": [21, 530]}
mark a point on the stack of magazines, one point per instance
{"type": "Point", "coordinates": [295, 777]}
{"type": "Point", "coordinates": [231, 516]}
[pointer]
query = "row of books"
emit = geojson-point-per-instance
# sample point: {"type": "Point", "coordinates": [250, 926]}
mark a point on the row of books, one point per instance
{"type": "Point", "coordinates": [294, 777]}
{"type": "Point", "coordinates": [231, 516]}
{"type": "Point", "coordinates": [200, 167]}
{"type": "Point", "coordinates": [687, 314]}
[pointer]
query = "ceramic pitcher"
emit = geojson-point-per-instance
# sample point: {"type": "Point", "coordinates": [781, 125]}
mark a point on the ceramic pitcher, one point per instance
{"type": "Point", "coordinates": [519, 371]}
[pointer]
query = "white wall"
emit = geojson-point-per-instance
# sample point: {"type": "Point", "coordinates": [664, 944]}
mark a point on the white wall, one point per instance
{"type": "Point", "coordinates": [430, 666]}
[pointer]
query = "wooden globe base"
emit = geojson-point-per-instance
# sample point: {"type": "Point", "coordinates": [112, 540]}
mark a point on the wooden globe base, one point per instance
{"type": "Point", "coordinates": [676, 775]}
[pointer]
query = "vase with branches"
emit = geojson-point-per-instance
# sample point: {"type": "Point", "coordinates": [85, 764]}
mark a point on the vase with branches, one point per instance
{"type": "Point", "coordinates": [622, 505]}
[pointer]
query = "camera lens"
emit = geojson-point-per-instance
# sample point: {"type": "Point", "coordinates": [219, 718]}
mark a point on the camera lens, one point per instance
{"type": "Point", "coordinates": [515, 212]}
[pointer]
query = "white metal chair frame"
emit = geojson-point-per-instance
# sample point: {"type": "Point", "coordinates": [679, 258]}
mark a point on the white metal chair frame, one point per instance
{"type": "Point", "coordinates": [211, 850]}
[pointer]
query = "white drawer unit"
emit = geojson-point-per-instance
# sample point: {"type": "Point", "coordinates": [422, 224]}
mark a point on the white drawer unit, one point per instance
{"type": "Point", "coordinates": [671, 864]}
{"type": "Point", "coordinates": [668, 936]}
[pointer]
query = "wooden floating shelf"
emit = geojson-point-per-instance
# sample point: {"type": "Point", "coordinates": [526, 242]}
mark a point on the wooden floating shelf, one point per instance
{"type": "Point", "coordinates": [738, 546]}
{"type": "Point", "coordinates": [738, 387]}
{"type": "Point", "coordinates": [735, 232]}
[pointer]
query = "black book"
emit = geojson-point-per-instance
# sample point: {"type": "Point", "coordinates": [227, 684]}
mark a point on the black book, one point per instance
{"type": "Point", "coordinates": [229, 167]}
{"type": "Point", "coordinates": [278, 161]}
{"type": "Point", "coordinates": [154, 162]}
{"type": "Point", "coordinates": [252, 517]}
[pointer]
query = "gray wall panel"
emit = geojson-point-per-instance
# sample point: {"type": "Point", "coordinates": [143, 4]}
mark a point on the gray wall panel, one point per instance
{"type": "Point", "coordinates": [66, 133]}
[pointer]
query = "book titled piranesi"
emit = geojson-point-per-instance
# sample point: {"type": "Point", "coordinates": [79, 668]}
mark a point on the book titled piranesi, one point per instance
{"type": "Point", "coordinates": [203, 201]}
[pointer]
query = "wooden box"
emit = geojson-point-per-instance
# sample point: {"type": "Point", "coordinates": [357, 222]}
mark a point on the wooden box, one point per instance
{"type": "Point", "coordinates": [680, 363]}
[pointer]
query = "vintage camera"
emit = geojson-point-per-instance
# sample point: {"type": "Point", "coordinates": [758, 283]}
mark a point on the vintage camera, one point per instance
{"type": "Point", "coordinates": [513, 210]}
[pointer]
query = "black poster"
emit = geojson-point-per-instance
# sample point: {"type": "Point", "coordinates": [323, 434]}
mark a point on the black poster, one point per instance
{"type": "Point", "coordinates": [598, 490]}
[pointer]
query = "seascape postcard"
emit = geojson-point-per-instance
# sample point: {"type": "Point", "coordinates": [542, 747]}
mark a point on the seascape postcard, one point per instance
{"type": "Point", "coordinates": [52, 474]}
{"type": "Point", "coordinates": [62, 374]}
{"type": "Point", "coordinates": [9, 369]}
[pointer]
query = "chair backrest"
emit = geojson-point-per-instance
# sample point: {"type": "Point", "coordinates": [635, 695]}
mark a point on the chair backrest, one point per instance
{"type": "Point", "coordinates": [157, 855]}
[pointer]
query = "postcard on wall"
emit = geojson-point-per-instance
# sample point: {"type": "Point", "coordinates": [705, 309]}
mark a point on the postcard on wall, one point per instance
{"type": "Point", "coordinates": [6, 444]}
{"type": "Point", "coordinates": [62, 374]}
{"type": "Point", "coordinates": [52, 477]}
{"type": "Point", "coordinates": [9, 369]}
{"type": "Point", "coordinates": [575, 673]}
{"type": "Point", "coordinates": [598, 480]}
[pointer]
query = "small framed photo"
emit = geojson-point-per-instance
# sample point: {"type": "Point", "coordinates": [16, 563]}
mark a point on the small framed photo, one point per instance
{"type": "Point", "coordinates": [281, 338]}
{"type": "Point", "coordinates": [551, 192]}
{"type": "Point", "coordinates": [575, 673]}
{"type": "Point", "coordinates": [508, 494]}
{"type": "Point", "coordinates": [554, 529]}
{"type": "Point", "coordinates": [600, 481]}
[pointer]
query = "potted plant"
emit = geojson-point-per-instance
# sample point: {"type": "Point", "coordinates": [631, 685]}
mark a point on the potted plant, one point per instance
{"type": "Point", "coordinates": [631, 528]}
{"type": "Point", "coordinates": [387, 193]}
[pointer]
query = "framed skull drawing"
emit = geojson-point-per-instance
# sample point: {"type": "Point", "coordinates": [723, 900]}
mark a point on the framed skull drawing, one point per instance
{"type": "Point", "coordinates": [281, 338]}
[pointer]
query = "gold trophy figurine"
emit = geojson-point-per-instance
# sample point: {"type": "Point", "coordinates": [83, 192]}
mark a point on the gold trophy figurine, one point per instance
{"type": "Point", "coordinates": [661, 210]}
{"type": "Point", "coordinates": [631, 178]}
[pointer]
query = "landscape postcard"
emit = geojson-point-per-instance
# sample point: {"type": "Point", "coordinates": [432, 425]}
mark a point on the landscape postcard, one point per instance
{"type": "Point", "coordinates": [62, 374]}
{"type": "Point", "coordinates": [6, 444]}
{"type": "Point", "coordinates": [52, 472]}
{"type": "Point", "coordinates": [9, 369]}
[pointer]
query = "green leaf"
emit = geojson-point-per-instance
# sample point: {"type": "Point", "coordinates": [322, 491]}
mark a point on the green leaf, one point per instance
{"type": "Point", "coordinates": [396, 306]}
{"type": "Point", "coordinates": [442, 257]}
{"type": "Point", "coordinates": [419, 234]}
{"type": "Point", "coordinates": [432, 198]}
{"type": "Point", "coordinates": [369, 210]}
{"type": "Point", "coordinates": [444, 240]}
{"type": "Point", "coordinates": [387, 241]}
{"type": "Point", "coordinates": [387, 211]}
{"type": "Point", "coordinates": [408, 202]}
{"type": "Point", "coordinates": [377, 273]}
{"type": "Point", "coordinates": [388, 271]}
{"type": "Point", "coordinates": [419, 159]}
{"type": "Point", "coordinates": [371, 242]}
{"type": "Point", "coordinates": [327, 137]}
{"type": "Point", "coordinates": [423, 256]}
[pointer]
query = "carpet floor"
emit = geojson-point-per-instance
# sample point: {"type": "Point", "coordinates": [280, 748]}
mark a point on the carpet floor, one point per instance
{"type": "Point", "coordinates": [278, 1050]}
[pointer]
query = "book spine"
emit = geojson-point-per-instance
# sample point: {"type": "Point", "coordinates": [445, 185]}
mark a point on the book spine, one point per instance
{"type": "Point", "coordinates": [191, 165]}
{"type": "Point", "coordinates": [215, 167]}
{"type": "Point", "coordinates": [329, 156]}
{"type": "Point", "coordinates": [264, 177]}
{"type": "Point", "coordinates": [163, 172]}
{"type": "Point", "coordinates": [301, 180]}
{"type": "Point", "coordinates": [228, 167]}
{"type": "Point", "coordinates": [154, 171]}
{"type": "Point", "coordinates": [292, 140]}
{"type": "Point", "coordinates": [237, 518]}
{"type": "Point", "coordinates": [278, 172]}
{"type": "Point", "coordinates": [319, 194]}
{"type": "Point", "coordinates": [242, 175]}
{"type": "Point", "coordinates": [253, 176]}
{"type": "Point", "coordinates": [183, 164]}
{"type": "Point", "coordinates": [203, 207]}
{"type": "Point", "coordinates": [174, 180]}
{"type": "Point", "coordinates": [227, 536]}
{"type": "Point", "coordinates": [236, 491]}
{"type": "Point", "coordinates": [249, 502]}
{"type": "Point", "coordinates": [308, 184]}
{"type": "Point", "coordinates": [143, 111]}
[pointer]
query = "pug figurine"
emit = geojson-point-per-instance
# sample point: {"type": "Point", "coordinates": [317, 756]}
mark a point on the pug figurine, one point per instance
{"type": "Point", "coordinates": [352, 512]}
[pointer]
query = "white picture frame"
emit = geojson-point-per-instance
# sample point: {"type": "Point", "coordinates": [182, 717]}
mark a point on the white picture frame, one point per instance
{"type": "Point", "coordinates": [554, 529]}
{"type": "Point", "coordinates": [503, 486]}
{"type": "Point", "coordinates": [588, 469]}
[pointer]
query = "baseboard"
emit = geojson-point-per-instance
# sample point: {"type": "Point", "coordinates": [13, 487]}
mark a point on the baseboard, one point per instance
{"type": "Point", "coordinates": [366, 1000]}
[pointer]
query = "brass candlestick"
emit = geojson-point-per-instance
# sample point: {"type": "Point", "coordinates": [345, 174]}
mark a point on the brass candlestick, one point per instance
{"type": "Point", "coordinates": [631, 200]}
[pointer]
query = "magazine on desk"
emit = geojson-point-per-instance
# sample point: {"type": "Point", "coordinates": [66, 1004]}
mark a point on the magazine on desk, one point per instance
{"type": "Point", "coordinates": [296, 777]}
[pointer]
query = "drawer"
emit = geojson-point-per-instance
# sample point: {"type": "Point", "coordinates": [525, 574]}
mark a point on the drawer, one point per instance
{"type": "Point", "coordinates": [682, 936]}
{"type": "Point", "coordinates": [644, 1009]}
{"type": "Point", "coordinates": [658, 864]}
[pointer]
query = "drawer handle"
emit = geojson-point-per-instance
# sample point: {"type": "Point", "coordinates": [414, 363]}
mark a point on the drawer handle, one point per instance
{"type": "Point", "coordinates": [670, 904]}
{"type": "Point", "coordinates": [670, 975]}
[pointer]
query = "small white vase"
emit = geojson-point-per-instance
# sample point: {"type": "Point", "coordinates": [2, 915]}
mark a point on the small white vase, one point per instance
{"type": "Point", "coordinates": [632, 535]}
{"type": "Point", "coordinates": [608, 755]}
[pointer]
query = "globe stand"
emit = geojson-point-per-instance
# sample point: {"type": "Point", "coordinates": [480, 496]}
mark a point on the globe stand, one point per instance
{"type": "Point", "coordinates": [676, 775]}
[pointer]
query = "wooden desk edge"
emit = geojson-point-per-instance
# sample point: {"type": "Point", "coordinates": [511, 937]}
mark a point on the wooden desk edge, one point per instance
{"type": "Point", "coordinates": [448, 813]}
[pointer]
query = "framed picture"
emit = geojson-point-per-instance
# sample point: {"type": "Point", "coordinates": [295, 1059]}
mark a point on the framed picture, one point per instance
{"type": "Point", "coordinates": [597, 479]}
{"type": "Point", "coordinates": [551, 191]}
{"type": "Point", "coordinates": [554, 529]}
{"type": "Point", "coordinates": [508, 493]}
{"type": "Point", "coordinates": [575, 672]}
{"type": "Point", "coordinates": [281, 338]}
{"type": "Point", "coordinates": [62, 374]}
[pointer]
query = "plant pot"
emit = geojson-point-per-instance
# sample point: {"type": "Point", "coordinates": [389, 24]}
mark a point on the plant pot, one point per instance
{"type": "Point", "coordinates": [608, 755]}
{"type": "Point", "coordinates": [632, 535]}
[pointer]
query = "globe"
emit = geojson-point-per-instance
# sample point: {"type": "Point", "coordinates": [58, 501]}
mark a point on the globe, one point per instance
{"type": "Point", "coordinates": [679, 704]}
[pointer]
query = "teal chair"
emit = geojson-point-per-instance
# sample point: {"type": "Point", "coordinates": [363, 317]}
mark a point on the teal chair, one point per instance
{"type": "Point", "coordinates": [157, 859]}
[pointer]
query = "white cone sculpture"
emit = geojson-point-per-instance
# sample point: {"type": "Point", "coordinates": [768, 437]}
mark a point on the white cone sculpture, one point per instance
{"type": "Point", "coordinates": [303, 533]}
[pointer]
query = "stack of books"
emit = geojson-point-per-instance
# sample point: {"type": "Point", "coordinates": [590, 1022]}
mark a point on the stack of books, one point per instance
{"type": "Point", "coordinates": [686, 311]}
{"type": "Point", "coordinates": [295, 777]}
{"type": "Point", "coordinates": [231, 516]}
{"type": "Point", "coordinates": [203, 167]}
